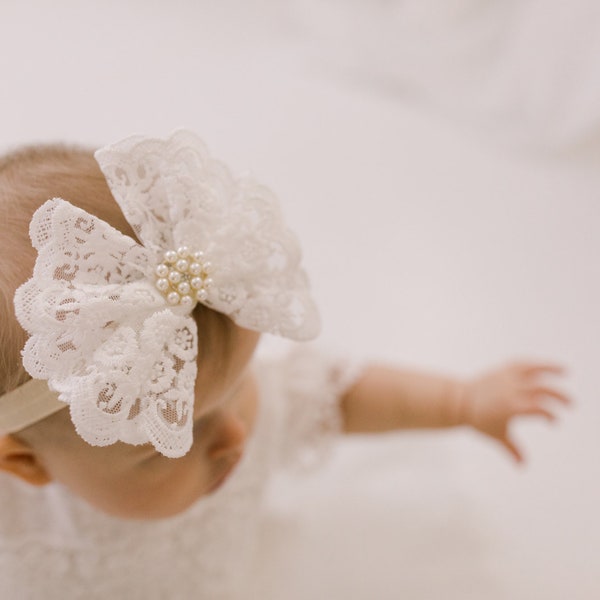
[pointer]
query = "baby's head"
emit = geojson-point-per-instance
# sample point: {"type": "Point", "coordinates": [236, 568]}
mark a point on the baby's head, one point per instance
{"type": "Point", "coordinates": [148, 340]}
{"type": "Point", "coordinates": [127, 480]}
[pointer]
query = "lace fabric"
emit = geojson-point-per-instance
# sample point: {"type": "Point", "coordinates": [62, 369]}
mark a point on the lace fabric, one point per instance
{"type": "Point", "coordinates": [108, 341]}
{"type": "Point", "coordinates": [102, 335]}
{"type": "Point", "coordinates": [173, 193]}
{"type": "Point", "coordinates": [313, 385]}
{"type": "Point", "coordinates": [54, 546]}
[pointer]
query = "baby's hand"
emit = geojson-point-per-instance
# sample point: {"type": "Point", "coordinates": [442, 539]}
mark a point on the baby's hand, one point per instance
{"type": "Point", "coordinates": [491, 401]}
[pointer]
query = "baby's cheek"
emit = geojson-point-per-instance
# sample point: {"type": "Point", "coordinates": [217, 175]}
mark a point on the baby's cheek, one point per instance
{"type": "Point", "coordinates": [155, 489]}
{"type": "Point", "coordinates": [175, 484]}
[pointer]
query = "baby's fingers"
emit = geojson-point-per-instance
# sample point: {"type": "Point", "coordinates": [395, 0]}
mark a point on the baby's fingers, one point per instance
{"type": "Point", "coordinates": [549, 392]}
{"type": "Point", "coordinates": [536, 369]}
{"type": "Point", "coordinates": [512, 449]}
{"type": "Point", "coordinates": [537, 411]}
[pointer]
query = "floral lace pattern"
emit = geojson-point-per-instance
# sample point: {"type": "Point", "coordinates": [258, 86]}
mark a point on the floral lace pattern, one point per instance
{"type": "Point", "coordinates": [52, 545]}
{"type": "Point", "coordinates": [173, 193]}
{"type": "Point", "coordinates": [104, 336]}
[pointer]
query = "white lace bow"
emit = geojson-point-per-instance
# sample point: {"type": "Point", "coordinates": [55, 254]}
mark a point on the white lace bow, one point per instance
{"type": "Point", "coordinates": [109, 319]}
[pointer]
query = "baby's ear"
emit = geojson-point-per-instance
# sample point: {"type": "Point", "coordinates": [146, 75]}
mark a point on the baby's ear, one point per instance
{"type": "Point", "coordinates": [19, 459]}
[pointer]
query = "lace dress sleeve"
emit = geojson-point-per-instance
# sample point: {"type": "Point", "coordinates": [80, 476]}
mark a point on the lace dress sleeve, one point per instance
{"type": "Point", "coordinates": [312, 385]}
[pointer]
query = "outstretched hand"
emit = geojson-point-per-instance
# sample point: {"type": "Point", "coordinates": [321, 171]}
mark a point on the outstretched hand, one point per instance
{"type": "Point", "coordinates": [494, 399]}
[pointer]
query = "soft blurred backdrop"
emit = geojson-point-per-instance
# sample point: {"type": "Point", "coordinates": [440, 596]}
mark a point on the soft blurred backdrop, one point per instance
{"type": "Point", "coordinates": [440, 162]}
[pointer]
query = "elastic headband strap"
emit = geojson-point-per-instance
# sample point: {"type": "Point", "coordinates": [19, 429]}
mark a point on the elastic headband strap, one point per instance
{"type": "Point", "coordinates": [26, 405]}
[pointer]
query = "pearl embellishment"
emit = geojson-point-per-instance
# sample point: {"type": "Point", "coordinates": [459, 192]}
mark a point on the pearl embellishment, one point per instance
{"type": "Point", "coordinates": [182, 277]}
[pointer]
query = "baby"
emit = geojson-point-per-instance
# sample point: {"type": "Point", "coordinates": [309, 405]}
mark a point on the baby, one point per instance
{"type": "Point", "coordinates": [156, 273]}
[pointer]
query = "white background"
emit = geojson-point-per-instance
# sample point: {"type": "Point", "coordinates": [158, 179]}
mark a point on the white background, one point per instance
{"type": "Point", "coordinates": [440, 163]}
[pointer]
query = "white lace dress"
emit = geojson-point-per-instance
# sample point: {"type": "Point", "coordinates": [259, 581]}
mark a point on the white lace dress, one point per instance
{"type": "Point", "coordinates": [54, 546]}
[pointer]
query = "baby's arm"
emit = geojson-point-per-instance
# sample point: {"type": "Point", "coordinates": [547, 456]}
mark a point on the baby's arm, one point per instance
{"type": "Point", "coordinates": [385, 399]}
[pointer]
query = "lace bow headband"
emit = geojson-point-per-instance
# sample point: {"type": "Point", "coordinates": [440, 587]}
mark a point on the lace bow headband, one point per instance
{"type": "Point", "coordinates": [109, 319]}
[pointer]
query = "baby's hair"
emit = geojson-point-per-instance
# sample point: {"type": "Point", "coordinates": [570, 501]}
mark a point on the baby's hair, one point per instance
{"type": "Point", "coordinates": [28, 177]}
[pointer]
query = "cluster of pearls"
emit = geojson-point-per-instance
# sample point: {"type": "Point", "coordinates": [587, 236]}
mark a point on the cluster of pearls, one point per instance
{"type": "Point", "coordinates": [183, 277]}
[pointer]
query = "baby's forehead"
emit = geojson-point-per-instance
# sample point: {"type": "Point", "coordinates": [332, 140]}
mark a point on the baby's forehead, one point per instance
{"type": "Point", "coordinates": [57, 434]}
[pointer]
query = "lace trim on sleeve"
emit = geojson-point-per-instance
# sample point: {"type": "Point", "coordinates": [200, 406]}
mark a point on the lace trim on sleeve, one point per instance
{"type": "Point", "coordinates": [314, 384]}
